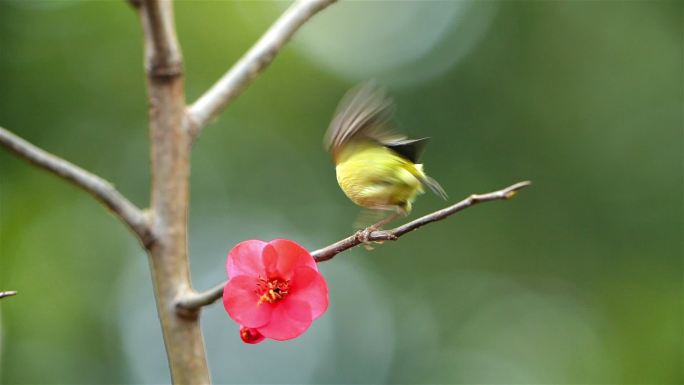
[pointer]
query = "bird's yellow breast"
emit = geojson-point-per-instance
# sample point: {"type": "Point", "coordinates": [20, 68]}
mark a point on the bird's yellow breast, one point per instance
{"type": "Point", "coordinates": [376, 177]}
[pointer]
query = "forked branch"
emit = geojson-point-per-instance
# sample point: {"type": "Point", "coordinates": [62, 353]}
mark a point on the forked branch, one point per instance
{"type": "Point", "coordinates": [226, 89]}
{"type": "Point", "coordinates": [197, 300]}
{"type": "Point", "coordinates": [99, 188]}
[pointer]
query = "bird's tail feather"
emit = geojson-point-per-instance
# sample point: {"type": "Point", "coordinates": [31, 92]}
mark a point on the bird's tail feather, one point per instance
{"type": "Point", "coordinates": [435, 187]}
{"type": "Point", "coordinates": [432, 184]}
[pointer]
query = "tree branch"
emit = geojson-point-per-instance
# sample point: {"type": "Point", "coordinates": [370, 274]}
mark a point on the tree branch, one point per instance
{"type": "Point", "coordinates": [209, 105]}
{"type": "Point", "coordinates": [197, 300]}
{"type": "Point", "coordinates": [162, 52]}
{"type": "Point", "coordinates": [99, 188]}
{"type": "Point", "coordinates": [4, 294]}
{"type": "Point", "coordinates": [170, 145]}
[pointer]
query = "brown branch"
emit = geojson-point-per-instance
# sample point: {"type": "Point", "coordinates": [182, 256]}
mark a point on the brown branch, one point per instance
{"type": "Point", "coordinates": [226, 89]}
{"type": "Point", "coordinates": [170, 193]}
{"type": "Point", "coordinates": [4, 294]}
{"type": "Point", "coordinates": [162, 52]}
{"type": "Point", "coordinates": [197, 300]}
{"type": "Point", "coordinates": [99, 188]}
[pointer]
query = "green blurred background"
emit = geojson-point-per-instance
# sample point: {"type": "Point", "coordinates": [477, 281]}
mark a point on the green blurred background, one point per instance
{"type": "Point", "coordinates": [577, 280]}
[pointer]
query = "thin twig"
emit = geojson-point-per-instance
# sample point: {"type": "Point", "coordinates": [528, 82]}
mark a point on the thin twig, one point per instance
{"type": "Point", "coordinates": [4, 294]}
{"type": "Point", "coordinates": [99, 188]}
{"type": "Point", "coordinates": [226, 89]}
{"type": "Point", "coordinates": [197, 300]}
{"type": "Point", "coordinates": [194, 300]}
{"type": "Point", "coordinates": [330, 251]}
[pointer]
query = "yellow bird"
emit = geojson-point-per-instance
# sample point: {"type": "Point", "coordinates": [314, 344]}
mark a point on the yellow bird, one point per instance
{"type": "Point", "coordinates": [376, 168]}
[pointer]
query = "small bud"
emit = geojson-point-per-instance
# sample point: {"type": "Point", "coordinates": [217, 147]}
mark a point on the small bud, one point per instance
{"type": "Point", "coordinates": [250, 336]}
{"type": "Point", "coordinates": [511, 194]}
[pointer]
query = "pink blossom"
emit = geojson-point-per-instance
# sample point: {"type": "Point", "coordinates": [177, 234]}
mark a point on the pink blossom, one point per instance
{"type": "Point", "coordinates": [274, 289]}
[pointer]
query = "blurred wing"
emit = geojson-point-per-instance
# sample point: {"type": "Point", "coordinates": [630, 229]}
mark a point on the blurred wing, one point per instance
{"type": "Point", "coordinates": [364, 112]}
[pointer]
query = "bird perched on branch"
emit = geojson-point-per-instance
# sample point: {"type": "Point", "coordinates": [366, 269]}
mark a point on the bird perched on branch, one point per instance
{"type": "Point", "coordinates": [376, 167]}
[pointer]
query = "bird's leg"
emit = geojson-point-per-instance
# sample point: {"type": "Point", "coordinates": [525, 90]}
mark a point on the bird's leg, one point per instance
{"type": "Point", "coordinates": [387, 220]}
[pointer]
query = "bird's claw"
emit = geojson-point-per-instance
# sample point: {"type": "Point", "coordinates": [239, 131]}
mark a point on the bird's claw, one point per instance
{"type": "Point", "coordinates": [364, 235]}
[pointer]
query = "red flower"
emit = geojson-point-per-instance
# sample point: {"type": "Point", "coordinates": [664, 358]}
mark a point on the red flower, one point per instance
{"type": "Point", "coordinates": [274, 289]}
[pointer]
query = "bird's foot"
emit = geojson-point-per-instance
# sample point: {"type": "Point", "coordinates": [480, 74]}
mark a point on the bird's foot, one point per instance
{"type": "Point", "coordinates": [363, 236]}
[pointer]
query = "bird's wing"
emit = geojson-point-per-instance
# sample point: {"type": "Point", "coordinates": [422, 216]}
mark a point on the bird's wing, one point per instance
{"type": "Point", "coordinates": [364, 112]}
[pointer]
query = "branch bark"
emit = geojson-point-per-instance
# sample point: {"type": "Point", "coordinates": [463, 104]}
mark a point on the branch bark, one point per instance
{"type": "Point", "coordinates": [99, 188]}
{"type": "Point", "coordinates": [217, 98]}
{"type": "Point", "coordinates": [162, 52]}
{"type": "Point", "coordinates": [170, 162]}
{"type": "Point", "coordinates": [196, 300]}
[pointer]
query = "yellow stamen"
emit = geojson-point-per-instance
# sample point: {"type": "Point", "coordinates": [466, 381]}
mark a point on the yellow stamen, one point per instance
{"type": "Point", "coordinates": [271, 290]}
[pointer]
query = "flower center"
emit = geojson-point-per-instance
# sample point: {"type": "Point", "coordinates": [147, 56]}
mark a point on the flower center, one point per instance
{"type": "Point", "coordinates": [272, 290]}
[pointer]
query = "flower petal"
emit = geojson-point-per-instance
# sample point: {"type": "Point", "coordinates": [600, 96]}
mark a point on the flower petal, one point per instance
{"type": "Point", "coordinates": [269, 257]}
{"type": "Point", "coordinates": [245, 259]}
{"type": "Point", "coordinates": [291, 256]}
{"type": "Point", "coordinates": [289, 320]}
{"type": "Point", "coordinates": [242, 302]}
{"type": "Point", "coordinates": [309, 286]}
